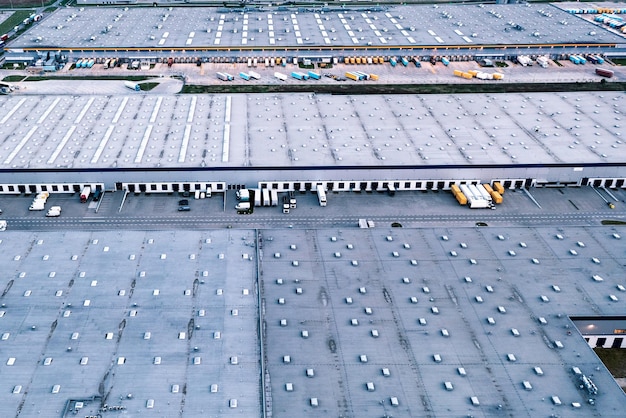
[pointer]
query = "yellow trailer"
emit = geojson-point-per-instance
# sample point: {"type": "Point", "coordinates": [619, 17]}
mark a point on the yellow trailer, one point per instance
{"type": "Point", "coordinates": [497, 197]}
{"type": "Point", "coordinates": [352, 60]}
{"type": "Point", "coordinates": [460, 197]}
{"type": "Point", "coordinates": [488, 188]}
{"type": "Point", "coordinates": [498, 76]}
{"type": "Point", "coordinates": [458, 73]}
{"type": "Point", "coordinates": [467, 76]}
{"type": "Point", "coordinates": [374, 77]}
{"type": "Point", "coordinates": [498, 187]}
{"type": "Point", "coordinates": [352, 76]}
{"type": "Point", "coordinates": [473, 72]}
{"type": "Point", "coordinates": [358, 60]}
{"type": "Point", "coordinates": [455, 189]}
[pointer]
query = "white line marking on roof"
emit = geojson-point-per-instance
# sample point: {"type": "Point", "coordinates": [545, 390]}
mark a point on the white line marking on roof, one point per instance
{"type": "Point", "coordinates": [66, 138]}
{"type": "Point", "coordinates": [103, 144]}
{"type": "Point", "coordinates": [23, 142]}
{"type": "Point", "coordinates": [85, 109]}
{"type": "Point", "coordinates": [144, 144]}
{"type": "Point", "coordinates": [11, 112]}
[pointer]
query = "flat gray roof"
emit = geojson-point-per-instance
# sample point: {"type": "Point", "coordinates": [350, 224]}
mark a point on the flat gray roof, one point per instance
{"type": "Point", "coordinates": [118, 303]}
{"type": "Point", "coordinates": [388, 27]}
{"type": "Point", "coordinates": [285, 130]}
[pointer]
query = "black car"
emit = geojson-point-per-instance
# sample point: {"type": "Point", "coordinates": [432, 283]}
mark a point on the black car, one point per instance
{"type": "Point", "coordinates": [184, 208]}
{"type": "Point", "coordinates": [183, 202]}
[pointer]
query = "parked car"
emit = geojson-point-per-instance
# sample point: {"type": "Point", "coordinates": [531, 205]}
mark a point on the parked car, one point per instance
{"type": "Point", "coordinates": [54, 212]}
{"type": "Point", "coordinates": [184, 208]}
{"type": "Point", "coordinates": [183, 202]}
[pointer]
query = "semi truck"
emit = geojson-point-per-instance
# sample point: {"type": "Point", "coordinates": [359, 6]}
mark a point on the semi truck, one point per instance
{"type": "Point", "coordinates": [225, 77]}
{"type": "Point", "coordinates": [543, 62]}
{"type": "Point", "coordinates": [97, 193]}
{"type": "Point", "coordinates": [250, 195]}
{"type": "Point", "coordinates": [266, 197]}
{"type": "Point", "coordinates": [474, 199]}
{"type": "Point", "coordinates": [246, 197]}
{"type": "Point", "coordinates": [84, 194]}
{"type": "Point", "coordinates": [132, 86]}
{"type": "Point", "coordinates": [243, 195]}
{"type": "Point", "coordinates": [242, 206]}
{"type": "Point", "coordinates": [280, 76]}
{"type": "Point", "coordinates": [321, 195]}
{"type": "Point", "coordinates": [54, 211]}
{"type": "Point", "coordinates": [604, 72]}
{"type": "Point", "coordinates": [299, 76]}
{"type": "Point", "coordinates": [38, 204]}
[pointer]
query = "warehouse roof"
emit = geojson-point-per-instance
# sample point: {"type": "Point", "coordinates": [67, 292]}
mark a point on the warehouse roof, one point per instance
{"type": "Point", "coordinates": [285, 130]}
{"type": "Point", "coordinates": [410, 26]}
{"type": "Point", "coordinates": [150, 321]}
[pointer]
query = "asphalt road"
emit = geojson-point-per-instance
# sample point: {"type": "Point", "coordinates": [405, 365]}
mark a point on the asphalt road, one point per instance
{"type": "Point", "coordinates": [285, 221]}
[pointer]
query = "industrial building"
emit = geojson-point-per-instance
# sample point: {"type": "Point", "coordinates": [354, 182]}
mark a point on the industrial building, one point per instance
{"type": "Point", "coordinates": [321, 35]}
{"type": "Point", "coordinates": [287, 142]}
{"type": "Point", "coordinates": [435, 321]}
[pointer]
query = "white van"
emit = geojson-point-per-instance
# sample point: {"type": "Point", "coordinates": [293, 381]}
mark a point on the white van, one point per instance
{"type": "Point", "coordinates": [232, 403]}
